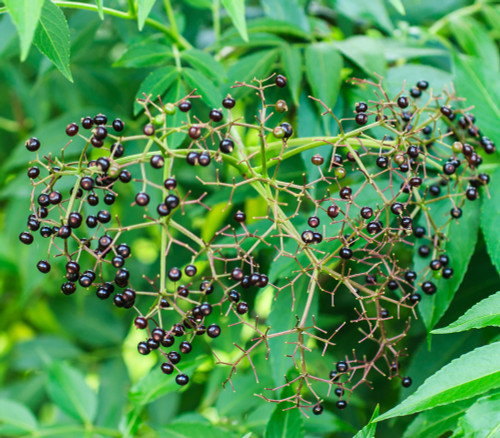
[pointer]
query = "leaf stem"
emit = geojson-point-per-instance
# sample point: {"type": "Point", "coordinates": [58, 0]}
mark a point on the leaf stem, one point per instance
{"type": "Point", "coordinates": [173, 35]}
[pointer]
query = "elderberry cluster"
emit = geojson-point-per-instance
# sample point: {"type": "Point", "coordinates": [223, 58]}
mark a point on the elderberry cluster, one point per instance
{"type": "Point", "coordinates": [382, 188]}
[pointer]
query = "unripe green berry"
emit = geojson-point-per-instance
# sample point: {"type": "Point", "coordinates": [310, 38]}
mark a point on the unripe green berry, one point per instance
{"type": "Point", "coordinates": [279, 132]}
{"type": "Point", "coordinates": [170, 109]}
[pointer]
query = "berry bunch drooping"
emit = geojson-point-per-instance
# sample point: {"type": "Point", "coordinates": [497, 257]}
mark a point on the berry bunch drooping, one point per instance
{"type": "Point", "coordinates": [407, 170]}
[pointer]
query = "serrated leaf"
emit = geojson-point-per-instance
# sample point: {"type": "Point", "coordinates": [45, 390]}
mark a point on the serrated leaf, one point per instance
{"type": "Point", "coordinates": [369, 430]}
{"type": "Point", "coordinates": [435, 422]}
{"type": "Point", "coordinates": [285, 424]}
{"type": "Point", "coordinates": [483, 314]}
{"type": "Point", "coordinates": [471, 374]}
{"type": "Point", "coordinates": [16, 419]}
{"type": "Point", "coordinates": [52, 38]}
{"type": "Point", "coordinates": [100, 10]}
{"type": "Point", "coordinates": [156, 84]}
{"type": "Point", "coordinates": [482, 419]}
{"type": "Point", "coordinates": [204, 63]}
{"type": "Point", "coordinates": [236, 10]}
{"type": "Point", "coordinates": [144, 55]}
{"type": "Point", "coordinates": [143, 9]}
{"type": "Point", "coordinates": [460, 249]}
{"type": "Point", "coordinates": [323, 66]}
{"type": "Point", "coordinates": [256, 65]}
{"type": "Point", "coordinates": [292, 66]}
{"type": "Point", "coordinates": [489, 216]}
{"type": "Point", "coordinates": [156, 384]}
{"type": "Point", "coordinates": [210, 94]}
{"type": "Point", "coordinates": [25, 15]}
{"type": "Point", "coordinates": [367, 53]}
{"type": "Point", "coordinates": [68, 390]}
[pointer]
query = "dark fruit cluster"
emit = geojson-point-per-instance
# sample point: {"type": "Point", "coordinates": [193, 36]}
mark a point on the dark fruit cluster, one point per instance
{"type": "Point", "coordinates": [313, 238]}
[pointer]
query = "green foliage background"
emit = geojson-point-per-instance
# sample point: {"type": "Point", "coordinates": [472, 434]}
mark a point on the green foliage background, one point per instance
{"type": "Point", "coordinates": [68, 366]}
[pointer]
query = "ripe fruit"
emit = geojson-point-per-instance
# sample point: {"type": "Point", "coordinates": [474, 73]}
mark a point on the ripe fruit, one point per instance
{"type": "Point", "coordinates": [118, 125]}
{"type": "Point", "coordinates": [341, 404]}
{"type": "Point", "coordinates": [240, 217]}
{"type": "Point", "coordinates": [317, 409]}
{"type": "Point", "coordinates": [213, 330]}
{"type": "Point", "coordinates": [406, 382]}
{"type": "Point", "coordinates": [215, 115]}
{"type": "Point", "coordinates": [181, 379]}
{"type": "Point", "coordinates": [361, 119]}
{"type": "Point", "coordinates": [228, 102]}
{"type": "Point", "coordinates": [341, 366]}
{"type": "Point", "coordinates": [403, 102]}
{"type": "Point", "coordinates": [72, 129]}
{"type": "Point", "coordinates": [226, 145]}
{"type": "Point", "coordinates": [185, 106]}
{"type": "Point", "coordinates": [194, 132]}
{"type": "Point", "coordinates": [32, 144]}
{"type": "Point", "coordinates": [280, 81]}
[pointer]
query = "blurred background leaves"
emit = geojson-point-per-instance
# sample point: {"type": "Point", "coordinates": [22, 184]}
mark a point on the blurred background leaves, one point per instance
{"type": "Point", "coordinates": [69, 367]}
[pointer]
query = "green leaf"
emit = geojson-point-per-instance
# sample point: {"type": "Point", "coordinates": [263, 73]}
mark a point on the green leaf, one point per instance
{"type": "Point", "coordinates": [277, 27]}
{"type": "Point", "coordinates": [292, 63]}
{"type": "Point", "coordinates": [474, 40]}
{"type": "Point", "coordinates": [323, 66]}
{"type": "Point", "coordinates": [204, 63]}
{"type": "Point", "coordinates": [16, 419]}
{"type": "Point", "coordinates": [68, 390]}
{"type": "Point", "coordinates": [143, 9]}
{"type": "Point", "coordinates": [460, 250]}
{"type": "Point", "coordinates": [175, 94]}
{"type": "Point", "coordinates": [52, 38]}
{"type": "Point", "coordinates": [395, 50]}
{"type": "Point", "coordinates": [25, 15]}
{"type": "Point", "coordinates": [290, 11]}
{"type": "Point", "coordinates": [156, 84]}
{"type": "Point", "coordinates": [366, 52]}
{"type": "Point", "coordinates": [369, 430]}
{"type": "Point", "coordinates": [398, 5]}
{"type": "Point", "coordinates": [156, 384]}
{"type": "Point", "coordinates": [435, 422]}
{"type": "Point", "coordinates": [471, 374]}
{"type": "Point", "coordinates": [191, 429]}
{"type": "Point", "coordinates": [373, 11]}
{"type": "Point", "coordinates": [489, 215]}
{"type": "Point", "coordinates": [100, 10]}
{"type": "Point", "coordinates": [482, 419]}
{"type": "Point", "coordinates": [210, 94]}
{"type": "Point", "coordinates": [236, 10]}
{"type": "Point", "coordinates": [483, 314]}
{"type": "Point", "coordinates": [252, 66]}
{"type": "Point", "coordinates": [144, 55]}
{"type": "Point", "coordinates": [112, 395]}
{"type": "Point", "coordinates": [475, 81]}
{"type": "Point", "coordinates": [285, 424]}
